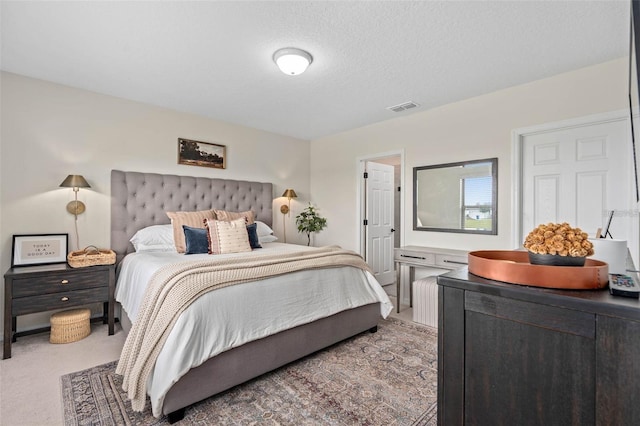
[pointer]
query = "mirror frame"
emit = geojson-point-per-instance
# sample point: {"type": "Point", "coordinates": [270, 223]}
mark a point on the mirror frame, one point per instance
{"type": "Point", "coordinates": [494, 197]}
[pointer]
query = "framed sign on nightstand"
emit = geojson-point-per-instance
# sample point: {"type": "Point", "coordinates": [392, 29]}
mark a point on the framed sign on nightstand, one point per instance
{"type": "Point", "coordinates": [39, 249]}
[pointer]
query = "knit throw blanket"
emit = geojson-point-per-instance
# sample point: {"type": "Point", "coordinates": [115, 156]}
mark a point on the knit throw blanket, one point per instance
{"type": "Point", "coordinates": [174, 287]}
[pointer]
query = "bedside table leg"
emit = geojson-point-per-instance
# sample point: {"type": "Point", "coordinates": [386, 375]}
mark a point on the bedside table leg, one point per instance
{"type": "Point", "coordinates": [14, 327]}
{"type": "Point", "coordinates": [111, 304]}
{"type": "Point", "coordinates": [105, 313]}
{"type": "Point", "coordinates": [109, 316]}
{"type": "Point", "coordinates": [111, 320]}
{"type": "Point", "coordinates": [9, 319]}
{"type": "Point", "coordinates": [9, 337]}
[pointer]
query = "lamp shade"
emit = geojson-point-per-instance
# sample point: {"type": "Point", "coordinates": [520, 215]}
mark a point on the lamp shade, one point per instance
{"type": "Point", "coordinates": [292, 61]}
{"type": "Point", "coordinates": [75, 181]}
{"type": "Point", "coordinates": [289, 193]}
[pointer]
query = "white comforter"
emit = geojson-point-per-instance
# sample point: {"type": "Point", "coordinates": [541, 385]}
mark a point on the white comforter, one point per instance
{"type": "Point", "coordinates": [231, 316]}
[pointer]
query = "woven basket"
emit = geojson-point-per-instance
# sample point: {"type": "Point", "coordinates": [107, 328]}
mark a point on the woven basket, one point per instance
{"type": "Point", "coordinates": [70, 326]}
{"type": "Point", "coordinates": [91, 256]}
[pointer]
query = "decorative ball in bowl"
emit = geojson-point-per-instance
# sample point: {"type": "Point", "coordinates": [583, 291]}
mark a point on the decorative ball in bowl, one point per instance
{"type": "Point", "coordinates": [558, 244]}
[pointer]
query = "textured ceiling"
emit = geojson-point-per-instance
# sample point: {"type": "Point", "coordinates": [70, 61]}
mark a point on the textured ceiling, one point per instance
{"type": "Point", "coordinates": [215, 58]}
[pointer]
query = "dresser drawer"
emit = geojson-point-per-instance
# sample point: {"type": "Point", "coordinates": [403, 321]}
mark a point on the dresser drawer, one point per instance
{"type": "Point", "coordinates": [416, 257]}
{"type": "Point", "coordinates": [451, 261]}
{"type": "Point", "coordinates": [59, 282]}
{"type": "Point", "coordinates": [47, 302]}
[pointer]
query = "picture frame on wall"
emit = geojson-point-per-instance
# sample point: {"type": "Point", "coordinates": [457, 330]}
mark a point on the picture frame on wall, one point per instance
{"type": "Point", "coordinates": [204, 154]}
{"type": "Point", "coordinates": [39, 249]}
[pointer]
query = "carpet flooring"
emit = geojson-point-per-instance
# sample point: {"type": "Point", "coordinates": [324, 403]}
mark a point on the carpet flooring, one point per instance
{"type": "Point", "coordinates": [383, 378]}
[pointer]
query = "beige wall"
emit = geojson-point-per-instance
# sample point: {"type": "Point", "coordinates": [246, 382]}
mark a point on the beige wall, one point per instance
{"type": "Point", "coordinates": [468, 130]}
{"type": "Point", "coordinates": [50, 131]}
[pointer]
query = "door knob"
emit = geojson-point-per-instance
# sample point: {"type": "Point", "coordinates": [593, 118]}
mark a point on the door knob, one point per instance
{"type": "Point", "coordinates": [393, 230]}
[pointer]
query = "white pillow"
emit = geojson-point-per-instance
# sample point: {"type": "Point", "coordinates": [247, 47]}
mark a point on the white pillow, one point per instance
{"type": "Point", "coordinates": [267, 238]}
{"type": "Point", "coordinates": [263, 229]}
{"type": "Point", "coordinates": [154, 237]}
{"type": "Point", "coordinates": [155, 247]}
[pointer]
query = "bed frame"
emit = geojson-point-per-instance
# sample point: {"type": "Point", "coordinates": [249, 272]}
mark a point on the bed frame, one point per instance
{"type": "Point", "coordinates": [141, 199]}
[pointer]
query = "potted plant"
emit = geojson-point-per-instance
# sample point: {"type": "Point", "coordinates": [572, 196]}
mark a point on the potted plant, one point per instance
{"type": "Point", "coordinates": [309, 221]}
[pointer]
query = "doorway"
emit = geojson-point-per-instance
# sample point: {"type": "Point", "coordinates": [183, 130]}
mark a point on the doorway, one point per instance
{"type": "Point", "coordinates": [380, 212]}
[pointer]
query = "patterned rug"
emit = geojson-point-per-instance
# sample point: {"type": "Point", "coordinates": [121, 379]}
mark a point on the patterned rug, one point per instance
{"type": "Point", "coordinates": [383, 378]}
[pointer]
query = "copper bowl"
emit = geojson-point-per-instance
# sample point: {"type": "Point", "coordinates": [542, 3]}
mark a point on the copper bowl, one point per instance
{"type": "Point", "coordinates": [514, 267]}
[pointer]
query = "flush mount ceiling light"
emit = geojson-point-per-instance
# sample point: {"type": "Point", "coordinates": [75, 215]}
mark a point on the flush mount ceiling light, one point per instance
{"type": "Point", "coordinates": [292, 61]}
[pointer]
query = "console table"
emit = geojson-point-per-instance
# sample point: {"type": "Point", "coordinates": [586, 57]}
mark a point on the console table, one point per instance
{"type": "Point", "coordinates": [512, 354]}
{"type": "Point", "coordinates": [424, 257]}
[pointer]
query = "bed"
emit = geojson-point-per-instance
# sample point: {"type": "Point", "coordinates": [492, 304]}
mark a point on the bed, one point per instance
{"type": "Point", "coordinates": [140, 200]}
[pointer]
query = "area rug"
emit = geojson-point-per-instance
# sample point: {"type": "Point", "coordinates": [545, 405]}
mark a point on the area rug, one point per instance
{"type": "Point", "coordinates": [383, 378]}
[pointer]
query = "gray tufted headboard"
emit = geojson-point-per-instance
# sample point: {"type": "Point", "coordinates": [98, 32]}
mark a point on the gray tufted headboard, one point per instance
{"type": "Point", "coordinates": [141, 199]}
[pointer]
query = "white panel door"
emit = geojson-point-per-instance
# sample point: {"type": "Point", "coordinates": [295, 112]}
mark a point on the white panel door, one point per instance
{"type": "Point", "coordinates": [577, 175]}
{"type": "Point", "coordinates": [379, 216]}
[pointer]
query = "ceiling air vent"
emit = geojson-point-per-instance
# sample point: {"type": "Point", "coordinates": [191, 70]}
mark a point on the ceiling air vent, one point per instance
{"type": "Point", "coordinates": [403, 107]}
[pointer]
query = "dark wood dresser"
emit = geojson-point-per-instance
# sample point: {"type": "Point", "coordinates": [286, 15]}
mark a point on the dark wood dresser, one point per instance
{"type": "Point", "coordinates": [517, 355]}
{"type": "Point", "coordinates": [31, 289]}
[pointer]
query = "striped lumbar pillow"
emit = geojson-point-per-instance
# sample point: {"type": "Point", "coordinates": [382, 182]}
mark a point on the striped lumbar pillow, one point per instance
{"type": "Point", "coordinates": [193, 219]}
{"type": "Point", "coordinates": [249, 216]}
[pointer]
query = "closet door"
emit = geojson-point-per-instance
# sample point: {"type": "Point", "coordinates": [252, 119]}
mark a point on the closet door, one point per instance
{"type": "Point", "coordinates": [578, 175]}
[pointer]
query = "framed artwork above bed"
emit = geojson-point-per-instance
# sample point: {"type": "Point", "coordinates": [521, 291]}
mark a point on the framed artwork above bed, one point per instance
{"type": "Point", "coordinates": [205, 154]}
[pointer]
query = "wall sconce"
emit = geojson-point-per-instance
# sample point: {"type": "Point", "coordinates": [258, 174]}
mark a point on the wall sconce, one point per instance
{"type": "Point", "coordinates": [289, 193]}
{"type": "Point", "coordinates": [75, 207]}
{"type": "Point", "coordinates": [76, 182]}
{"type": "Point", "coordinates": [286, 209]}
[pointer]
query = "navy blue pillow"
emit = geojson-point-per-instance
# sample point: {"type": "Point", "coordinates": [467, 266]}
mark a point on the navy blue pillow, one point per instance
{"type": "Point", "coordinates": [252, 230]}
{"type": "Point", "coordinates": [196, 240]}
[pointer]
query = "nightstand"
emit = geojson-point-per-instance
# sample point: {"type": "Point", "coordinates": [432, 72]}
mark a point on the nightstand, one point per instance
{"type": "Point", "coordinates": [31, 289]}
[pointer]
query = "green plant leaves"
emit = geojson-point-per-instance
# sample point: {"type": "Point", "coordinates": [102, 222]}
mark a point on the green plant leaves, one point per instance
{"type": "Point", "coordinates": [309, 221]}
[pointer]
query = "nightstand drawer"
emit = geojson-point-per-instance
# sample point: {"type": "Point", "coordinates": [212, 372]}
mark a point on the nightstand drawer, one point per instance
{"type": "Point", "coordinates": [46, 302]}
{"type": "Point", "coordinates": [59, 282]}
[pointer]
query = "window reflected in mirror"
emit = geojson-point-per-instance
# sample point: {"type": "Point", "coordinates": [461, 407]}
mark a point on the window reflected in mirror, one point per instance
{"type": "Point", "coordinates": [456, 197]}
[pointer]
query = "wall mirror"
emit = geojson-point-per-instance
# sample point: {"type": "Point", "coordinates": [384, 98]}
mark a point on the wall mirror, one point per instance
{"type": "Point", "coordinates": [456, 197]}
